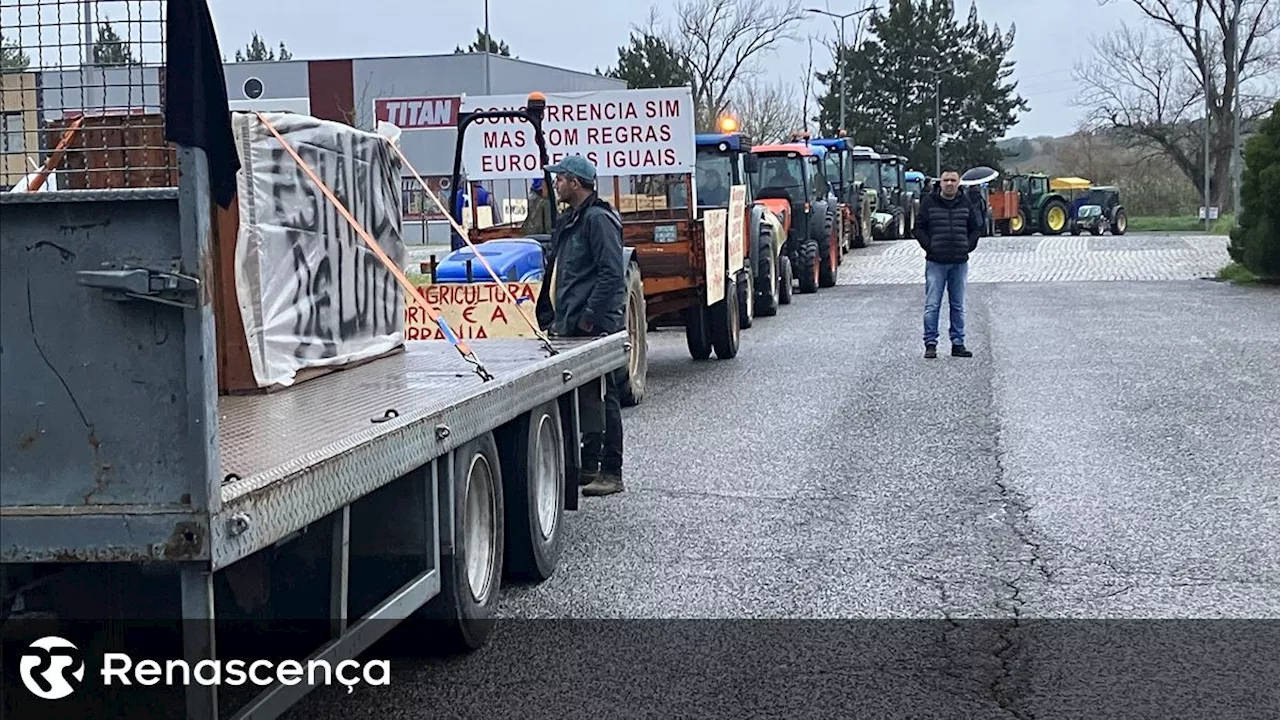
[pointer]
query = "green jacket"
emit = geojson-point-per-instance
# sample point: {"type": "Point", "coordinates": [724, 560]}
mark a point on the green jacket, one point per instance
{"type": "Point", "coordinates": [587, 276]}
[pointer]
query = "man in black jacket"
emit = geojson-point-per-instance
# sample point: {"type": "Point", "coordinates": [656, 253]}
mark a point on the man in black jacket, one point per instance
{"type": "Point", "coordinates": [588, 294]}
{"type": "Point", "coordinates": [948, 230]}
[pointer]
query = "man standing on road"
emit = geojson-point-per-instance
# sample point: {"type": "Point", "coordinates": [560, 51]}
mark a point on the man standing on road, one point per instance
{"type": "Point", "coordinates": [948, 230]}
{"type": "Point", "coordinates": [588, 295]}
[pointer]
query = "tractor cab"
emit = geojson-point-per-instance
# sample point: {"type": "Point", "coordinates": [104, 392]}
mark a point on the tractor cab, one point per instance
{"type": "Point", "coordinates": [790, 182]}
{"type": "Point", "coordinates": [1108, 198]}
{"type": "Point", "coordinates": [856, 203]}
{"type": "Point", "coordinates": [722, 160]}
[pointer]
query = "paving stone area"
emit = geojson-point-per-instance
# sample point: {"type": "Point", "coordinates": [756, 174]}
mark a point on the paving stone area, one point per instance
{"type": "Point", "coordinates": [1050, 259]}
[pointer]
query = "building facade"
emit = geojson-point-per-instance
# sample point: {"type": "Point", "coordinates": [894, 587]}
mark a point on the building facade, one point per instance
{"type": "Point", "coordinates": [19, 126]}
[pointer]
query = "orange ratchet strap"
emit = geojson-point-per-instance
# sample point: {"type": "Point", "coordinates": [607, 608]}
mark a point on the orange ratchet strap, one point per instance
{"type": "Point", "coordinates": [410, 290]}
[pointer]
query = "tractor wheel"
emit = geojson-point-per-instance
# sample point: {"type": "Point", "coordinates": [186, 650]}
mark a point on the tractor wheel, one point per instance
{"type": "Point", "coordinates": [1096, 230]}
{"type": "Point", "coordinates": [829, 262]}
{"type": "Point", "coordinates": [1054, 217]}
{"type": "Point", "coordinates": [746, 296]}
{"type": "Point", "coordinates": [1119, 223]}
{"type": "Point", "coordinates": [785, 280]}
{"type": "Point", "coordinates": [767, 282]}
{"type": "Point", "coordinates": [697, 331]}
{"type": "Point", "coordinates": [807, 267]}
{"type": "Point", "coordinates": [1075, 229]}
{"type": "Point", "coordinates": [1018, 223]}
{"type": "Point", "coordinates": [637, 335]}
{"type": "Point", "coordinates": [724, 323]}
{"type": "Point", "coordinates": [897, 226]}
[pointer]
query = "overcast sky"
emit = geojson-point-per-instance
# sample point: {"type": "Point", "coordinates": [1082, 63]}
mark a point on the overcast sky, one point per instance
{"type": "Point", "coordinates": [583, 36]}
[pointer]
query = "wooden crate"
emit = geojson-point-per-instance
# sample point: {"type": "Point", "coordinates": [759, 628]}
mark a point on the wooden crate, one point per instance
{"type": "Point", "coordinates": [115, 151]}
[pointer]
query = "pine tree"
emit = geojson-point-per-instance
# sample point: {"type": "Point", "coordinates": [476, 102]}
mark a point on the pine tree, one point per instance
{"type": "Point", "coordinates": [111, 49]}
{"type": "Point", "coordinates": [1255, 243]}
{"type": "Point", "coordinates": [11, 56]}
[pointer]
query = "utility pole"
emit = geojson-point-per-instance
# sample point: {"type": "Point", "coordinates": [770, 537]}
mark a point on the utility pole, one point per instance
{"type": "Point", "coordinates": [488, 41]}
{"type": "Point", "coordinates": [937, 124]}
{"type": "Point", "coordinates": [1237, 162]}
{"type": "Point", "coordinates": [840, 55]}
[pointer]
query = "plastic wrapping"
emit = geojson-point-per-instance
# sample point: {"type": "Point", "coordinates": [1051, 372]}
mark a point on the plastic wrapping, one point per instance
{"type": "Point", "coordinates": [311, 292]}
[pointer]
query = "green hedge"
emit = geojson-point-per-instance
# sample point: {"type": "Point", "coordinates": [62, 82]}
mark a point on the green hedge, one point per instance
{"type": "Point", "coordinates": [1255, 244]}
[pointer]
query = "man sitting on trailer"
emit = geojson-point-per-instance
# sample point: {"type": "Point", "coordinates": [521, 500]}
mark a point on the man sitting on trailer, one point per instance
{"type": "Point", "coordinates": [588, 295]}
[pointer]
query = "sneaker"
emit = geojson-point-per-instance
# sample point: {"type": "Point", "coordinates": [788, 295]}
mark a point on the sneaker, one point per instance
{"type": "Point", "coordinates": [605, 484]}
{"type": "Point", "coordinates": [960, 351]}
{"type": "Point", "coordinates": [931, 351]}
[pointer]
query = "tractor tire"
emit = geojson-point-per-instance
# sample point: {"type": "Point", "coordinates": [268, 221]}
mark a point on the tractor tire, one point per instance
{"type": "Point", "coordinates": [746, 289]}
{"type": "Point", "coordinates": [1018, 225]}
{"type": "Point", "coordinates": [1096, 230]}
{"type": "Point", "coordinates": [1119, 223]}
{"type": "Point", "coordinates": [898, 226]}
{"type": "Point", "coordinates": [785, 280]}
{"type": "Point", "coordinates": [637, 369]}
{"type": "Point", "coordinates": [807, 267]}
{"type": "Point", "coordinates": [697, 330]}
{"type": "Point", "coordinates": [725, 330]}
{"type": "Point", "coordinates": [766, 287]}
{"type": "Point", "coordinates": [1054, 217]}
{"type": "Point", "coordinates": [828, 258]}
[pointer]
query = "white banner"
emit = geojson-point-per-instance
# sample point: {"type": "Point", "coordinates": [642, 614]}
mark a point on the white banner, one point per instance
{"type": "Point", "coordinates": [713, 234]}
{"type": "Point", "coordinates": [622, 132]}
{"type": "Point", "coordinates": [737, 228]}
{"type": "Point", "coordinates": [311, 292]}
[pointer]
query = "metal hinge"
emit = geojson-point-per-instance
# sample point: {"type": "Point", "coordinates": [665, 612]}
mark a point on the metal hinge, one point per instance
{"type": "Point", "coordinates": [125, 282]}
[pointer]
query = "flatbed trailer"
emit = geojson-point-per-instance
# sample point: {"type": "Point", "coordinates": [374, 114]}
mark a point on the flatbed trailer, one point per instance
{"type": "Point", "coordinates": [138, 501]}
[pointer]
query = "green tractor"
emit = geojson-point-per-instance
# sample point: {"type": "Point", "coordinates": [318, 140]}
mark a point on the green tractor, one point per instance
{"type": "Point", "coordinates": [1040, 209]}
{"type": "Point", "coordinates": [893, 200]}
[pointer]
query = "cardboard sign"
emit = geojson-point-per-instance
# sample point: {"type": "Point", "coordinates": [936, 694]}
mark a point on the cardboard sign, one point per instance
{"type": "Point", "coordinates": [737, 228]}
{"type": "Point", "coordinates": [474, 311]}
{"type": "Point", "coordinates": [622, 132]}
{"type": "Point", "coordinates": [714, 224]}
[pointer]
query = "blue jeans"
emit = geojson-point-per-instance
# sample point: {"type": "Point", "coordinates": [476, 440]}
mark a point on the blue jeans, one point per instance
{"type": "Point", "coordinates": [952, 278]}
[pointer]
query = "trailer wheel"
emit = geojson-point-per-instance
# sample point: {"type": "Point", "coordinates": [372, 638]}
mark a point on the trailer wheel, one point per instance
{"type": "Point", "coordinates": [807, 269]}
{"type": "Point", "coordinates": [533, 456]}
{"type": "Point", "coordinates": [637, 325]}
{"type": "Point", "coordinates": [726, 331]}
{"type": "Point", "coordinates": [697, 334]}
{"type": "Point", "coordinates": [746, 296]}
{"type": "Point", "coordinates": [785, 280]}
{"type": "Point", "coordinates": [471, 576]}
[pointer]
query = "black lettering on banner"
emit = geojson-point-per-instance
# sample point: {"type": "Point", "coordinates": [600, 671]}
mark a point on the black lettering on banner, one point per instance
{"type": "Point", "coordinates": [342, 290]}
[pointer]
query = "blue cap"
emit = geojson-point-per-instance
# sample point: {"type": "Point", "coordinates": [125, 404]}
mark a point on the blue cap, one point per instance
{"type": "Point", "coordinates": [575, 165]}
{"type": "Point", "coordinates": [537, 184]}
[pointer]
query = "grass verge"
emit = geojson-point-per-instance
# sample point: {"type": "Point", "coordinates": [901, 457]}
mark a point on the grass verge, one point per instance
{"type": "Point", "coordinates": [1180, 223]}
{"type": "Point", "coordinates": [1237, 273]}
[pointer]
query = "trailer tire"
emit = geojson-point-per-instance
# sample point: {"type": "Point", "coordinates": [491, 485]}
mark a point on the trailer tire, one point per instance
{"type": "Point", "coordinates": [785, 280]}
{"type": "Point", "coordinates": [463, 621]}
{"type": "Point", "coordinates": [637, 370]}
{"type": "Point", "coordinates": [533, 455]}
{"type": "Point", "coordinates": [697, 334]}
{"type": "Point", "coordinates": [726, 330]}
{"type": "Point", "coordinates": [807, 270]}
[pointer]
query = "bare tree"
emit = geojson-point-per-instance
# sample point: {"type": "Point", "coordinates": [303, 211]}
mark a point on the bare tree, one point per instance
{"type": "Point", "coordinates": [766, 111]}
{"type": "Point", "coordinates": [723, 40]}
{"type": "Point", "coordinates": [1156, 85]}
{"type": "Point", "coordinates": [808, 87]}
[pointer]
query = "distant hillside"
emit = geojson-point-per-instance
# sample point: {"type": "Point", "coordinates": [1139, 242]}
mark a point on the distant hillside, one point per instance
{"type": "Point", "coordinates": [1039, 154]}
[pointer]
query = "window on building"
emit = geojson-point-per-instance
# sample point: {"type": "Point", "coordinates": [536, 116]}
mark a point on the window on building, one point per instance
{"type": "Point", "coordinates": [12, 133]}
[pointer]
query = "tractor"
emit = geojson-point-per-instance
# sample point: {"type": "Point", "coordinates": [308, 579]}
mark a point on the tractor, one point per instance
{"type": "Point", "coordinates": [917, 184]}
{"type": "Point", "coordinates": [1040, 209]}
{"type": "Point", "coordinates": [789, 181]}
{"type": "Point", "coordinates": [1101, 212]}
{"type": "Point", "coordinates": [856, 204]}
{"type": "Point", "coordinates": [724, 160]}
{"type": "Point", "coordinates": [893, 202]}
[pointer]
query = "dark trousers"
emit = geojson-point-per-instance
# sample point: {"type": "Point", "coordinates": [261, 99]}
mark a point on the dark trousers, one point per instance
{"type": "Point", "coordinates": [602, 425]}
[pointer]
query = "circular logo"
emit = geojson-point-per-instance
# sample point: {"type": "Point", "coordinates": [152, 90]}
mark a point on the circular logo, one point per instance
{"type": "Point", "coordinates": [52, 668]}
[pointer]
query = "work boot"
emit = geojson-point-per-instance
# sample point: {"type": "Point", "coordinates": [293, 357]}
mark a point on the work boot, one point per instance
{"type": "Point", "coordinates": [931, 351]}
{"type": "Point", "coordinates": [959, 351]}
{"type": "Point", "coordinates": [605, 484]}
{"type": "Point", "coordinates": [586, 477]}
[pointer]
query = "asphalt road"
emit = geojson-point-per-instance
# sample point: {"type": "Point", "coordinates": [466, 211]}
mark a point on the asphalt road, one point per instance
{"type": "Point", "coordinates": [966, 537]}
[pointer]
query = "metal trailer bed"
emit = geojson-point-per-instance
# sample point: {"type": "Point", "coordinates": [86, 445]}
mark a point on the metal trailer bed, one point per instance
{"type": "Point", "coordinates": [120, 460]}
